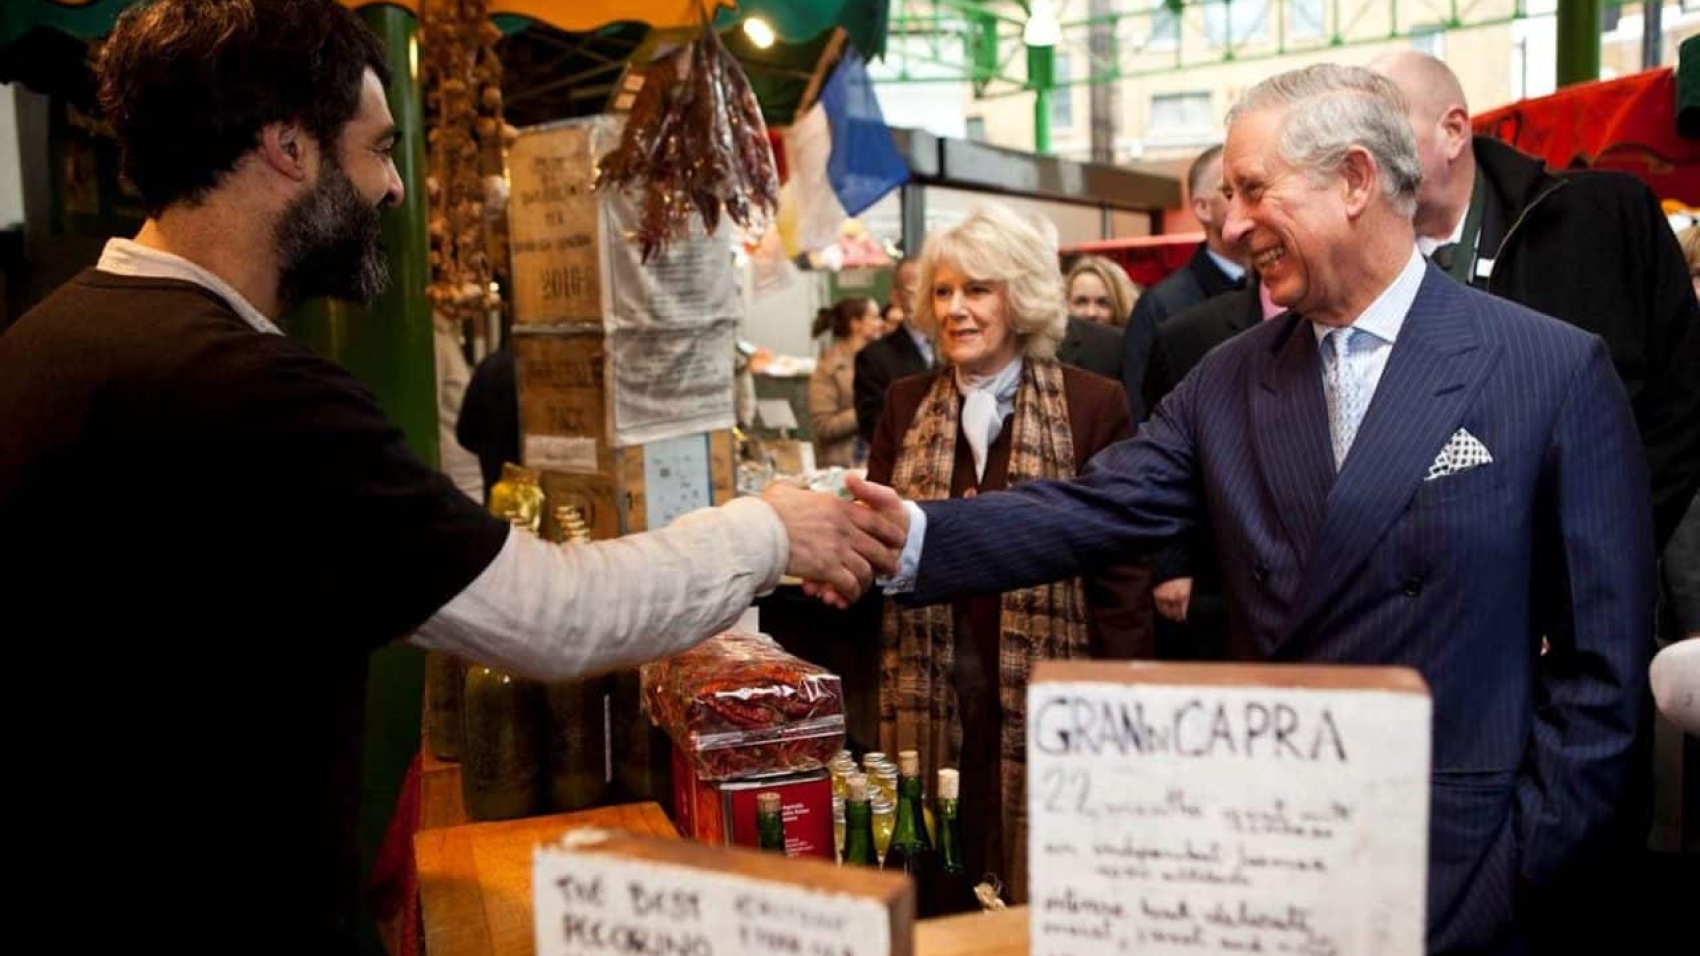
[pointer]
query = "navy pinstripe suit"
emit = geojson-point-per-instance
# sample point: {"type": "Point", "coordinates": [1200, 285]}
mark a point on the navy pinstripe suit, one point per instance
{"type": "Point", "coordinates": [1457, 577]}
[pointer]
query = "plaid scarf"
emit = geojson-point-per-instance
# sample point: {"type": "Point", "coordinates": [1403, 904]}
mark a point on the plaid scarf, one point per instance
{"type": "Point", "coordinates": [918, 705]}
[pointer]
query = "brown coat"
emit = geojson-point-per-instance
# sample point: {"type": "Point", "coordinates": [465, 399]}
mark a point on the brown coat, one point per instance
{"type": "Point", "coordinates": [832, 405]}
{"type": "Point", "coordinates": [1118, 599]}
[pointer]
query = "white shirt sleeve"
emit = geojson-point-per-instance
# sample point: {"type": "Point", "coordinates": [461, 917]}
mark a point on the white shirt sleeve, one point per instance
{"type": "Point", "coordinates": [909, 562]}
{"type": "Point", "coordinates": [556, 612]}
{"type": "Point", "coordinates": [1676, 684]}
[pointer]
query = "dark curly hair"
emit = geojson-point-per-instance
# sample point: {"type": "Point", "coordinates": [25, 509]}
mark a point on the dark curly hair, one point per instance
{"type": "Point", "coordinates": [189, 84]}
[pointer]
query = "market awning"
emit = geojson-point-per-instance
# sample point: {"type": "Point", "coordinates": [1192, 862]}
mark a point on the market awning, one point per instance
{"type": "Point", "coordinates": [561, 57]}
{"type": "Point", "coordinates": [1627, 124]}
{"type": "Point", "coordinates": [794, 21]}
{"type": "Point", "coordinates": [93, 18]}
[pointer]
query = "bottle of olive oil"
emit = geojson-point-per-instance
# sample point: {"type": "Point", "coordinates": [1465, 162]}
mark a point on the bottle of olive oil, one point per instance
{"type": "Point", "coordinates": [575, 735]}
{"type": "Point", "coordinates": [501, 715]}
{"type": "Point", "coordinates": [503, 748]}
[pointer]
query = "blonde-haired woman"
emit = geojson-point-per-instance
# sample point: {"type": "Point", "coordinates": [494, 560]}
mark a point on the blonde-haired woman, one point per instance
{"type": "Point", "coordinates": [1100, 291]}
{"type": "Point", "coordinates": [953, 678]}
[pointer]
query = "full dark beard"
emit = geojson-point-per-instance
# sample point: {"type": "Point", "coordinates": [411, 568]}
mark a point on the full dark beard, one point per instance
{"type": "Point", "coordinates": [331, 243]}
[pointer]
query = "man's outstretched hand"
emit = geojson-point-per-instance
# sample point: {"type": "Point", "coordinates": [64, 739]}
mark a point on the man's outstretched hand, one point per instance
{"type": "Point", "coordinates": [886, 505]}
{"type": "Point", "coordinates": [836, 546]}
{"type": "Point", "coordinates": [882, 500]}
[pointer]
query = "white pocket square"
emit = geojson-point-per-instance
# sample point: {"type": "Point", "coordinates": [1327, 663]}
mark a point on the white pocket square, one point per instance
{"type": "Point", "coordinates": [1463, 451]}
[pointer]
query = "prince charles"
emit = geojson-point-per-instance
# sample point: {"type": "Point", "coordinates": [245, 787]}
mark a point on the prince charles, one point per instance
{"type": "Point", "coordinates": [1400, 470]}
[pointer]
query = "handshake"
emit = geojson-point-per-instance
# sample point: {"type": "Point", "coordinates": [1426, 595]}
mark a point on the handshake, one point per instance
{"type": "Point", "coordinates": [838, 546]}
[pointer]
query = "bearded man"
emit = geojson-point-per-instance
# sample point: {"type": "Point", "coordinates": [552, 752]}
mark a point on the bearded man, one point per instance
{"type": "Point", "coordinates": [207, 528]}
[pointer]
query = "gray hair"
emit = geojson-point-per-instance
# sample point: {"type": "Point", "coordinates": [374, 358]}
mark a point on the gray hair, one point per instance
{"type": "Point", "coordinates": [995, 244]}
{"type": "Point", "coordinates": [1331, 108]}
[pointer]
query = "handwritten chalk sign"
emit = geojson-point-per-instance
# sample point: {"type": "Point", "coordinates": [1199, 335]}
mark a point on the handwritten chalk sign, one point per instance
{"type": "Point", "coordinates": [615, 893]}
{"type": "Point", "coordinates": [1221, 808]}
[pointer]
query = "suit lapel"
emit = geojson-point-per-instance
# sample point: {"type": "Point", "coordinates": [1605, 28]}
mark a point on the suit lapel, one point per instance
{"type": "Point", "coordinates": [908, 353]}
{"type": "Point", "coordinates": [1290, 432]}
{"type": "Point", "coordinates": [1431, 376]}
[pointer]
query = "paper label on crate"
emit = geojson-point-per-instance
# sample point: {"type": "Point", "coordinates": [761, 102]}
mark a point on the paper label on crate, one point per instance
{"type": "Point", "coordinates": [561, 453]}
{"type": "Point", "coordinates": [554, 233]}
{"type": "Point", "coordinates": [676, 478]}
{"type": "Point", "coordinates": [591, 904]}
{"type": "Point", "coordinates": [1170, 818]}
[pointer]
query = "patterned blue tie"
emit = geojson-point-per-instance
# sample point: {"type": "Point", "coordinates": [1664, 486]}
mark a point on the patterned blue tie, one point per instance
{"type": "Point", "coordinates": [1343, 360]}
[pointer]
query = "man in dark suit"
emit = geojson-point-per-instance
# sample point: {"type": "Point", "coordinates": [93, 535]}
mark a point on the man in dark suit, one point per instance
{"type": "Point", "coordinates": [1183, 341]}
{"type": "Point", "coordinates": [1214, 268]}
{"type": "Point", "coordinates": [1192, 612]}
{"type": "Point", "coordinates": [904, 351]}
{"type": "Point", "coordinates": [1093, 346]}
{"type": "Point", "coordinates": [1399, 471]}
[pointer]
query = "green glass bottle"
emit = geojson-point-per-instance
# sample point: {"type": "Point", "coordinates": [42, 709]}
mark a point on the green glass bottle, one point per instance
{"type": "Point", "coordinates": [911, 848]}
{"type": "Point", "coordinates": [770, 824]}
{"type": "Point", "coordinates": [949, 892]}
{"type": "Point", "coordinates": [858, 823]}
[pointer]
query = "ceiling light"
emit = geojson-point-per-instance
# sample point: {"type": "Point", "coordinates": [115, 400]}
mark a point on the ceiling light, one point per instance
{"type": "Point", "coordinates": [759, 32]}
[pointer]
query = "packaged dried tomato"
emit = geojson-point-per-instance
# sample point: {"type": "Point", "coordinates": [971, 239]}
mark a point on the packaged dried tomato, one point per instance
{"type": "Point", "coordinates": [739, 705]}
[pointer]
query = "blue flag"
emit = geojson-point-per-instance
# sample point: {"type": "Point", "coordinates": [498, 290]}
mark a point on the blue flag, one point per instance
{"type": "Point", "coordinates": [864, 164]}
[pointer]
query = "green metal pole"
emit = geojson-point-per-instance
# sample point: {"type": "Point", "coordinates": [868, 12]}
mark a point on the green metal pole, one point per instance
{"type": "Point", "coordinates": [1042, 120]}
{"type": "Point", "coordinates": [388, 345]}
{"type": "Point", "coordinates": [1579, 24]}
{"type": "Point", "coordinates": [1041, 76]}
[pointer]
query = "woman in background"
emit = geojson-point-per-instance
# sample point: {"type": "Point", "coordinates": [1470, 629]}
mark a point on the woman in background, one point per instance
{"type": "Point", "coordinates": [1002, 410]}
{"type": "Point", "coordinates": [832, 399]}
{"type": "Point", "coordinates": [1100, 291]}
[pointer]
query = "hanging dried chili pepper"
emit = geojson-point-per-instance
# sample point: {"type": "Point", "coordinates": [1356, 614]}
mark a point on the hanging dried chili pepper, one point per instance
{"type": "Point", "coordinates": [694, 146]}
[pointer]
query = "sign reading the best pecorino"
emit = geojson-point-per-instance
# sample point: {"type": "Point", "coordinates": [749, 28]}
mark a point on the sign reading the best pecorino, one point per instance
{"type": "Point", "coordinates": [1225, 808]}
{"type": "Point", "coordinates": [604, 892]}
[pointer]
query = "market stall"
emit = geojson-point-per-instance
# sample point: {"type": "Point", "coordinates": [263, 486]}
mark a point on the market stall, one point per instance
{"type": "Point", "coordinates": [1627, 124]}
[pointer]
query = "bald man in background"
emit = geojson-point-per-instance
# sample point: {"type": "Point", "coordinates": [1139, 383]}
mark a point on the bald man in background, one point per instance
{"type": "Point", "coordinates": [1590, 247]}
{"type": "Point", "coordinates": [1593, 249]}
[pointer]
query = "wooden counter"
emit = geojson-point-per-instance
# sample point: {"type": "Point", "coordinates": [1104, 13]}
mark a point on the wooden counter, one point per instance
{"type": "Point", "coordinates": [475, 879]}
{"type": "Point", "coordinates": [440, 803]}
{"type": "Point", "coordinates": [999, 933]}
{"type": "Point", "coordinates": [475, 888]}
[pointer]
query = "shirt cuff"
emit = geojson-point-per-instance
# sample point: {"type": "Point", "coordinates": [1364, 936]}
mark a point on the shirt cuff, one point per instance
{"type": "Point", "coordinates": [909, 562]}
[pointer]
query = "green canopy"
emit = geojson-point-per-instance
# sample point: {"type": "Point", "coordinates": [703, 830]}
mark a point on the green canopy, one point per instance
{"type": "Point", "coordinates": [795, 21]}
